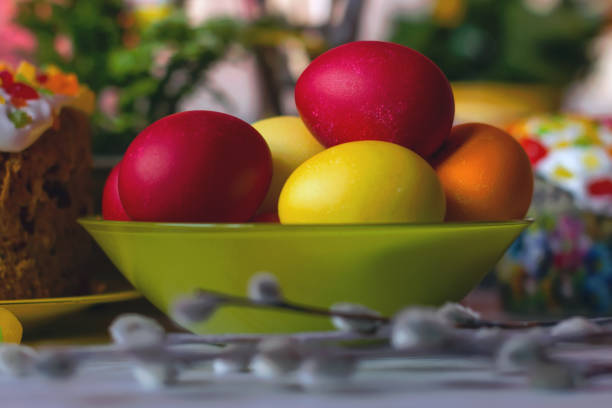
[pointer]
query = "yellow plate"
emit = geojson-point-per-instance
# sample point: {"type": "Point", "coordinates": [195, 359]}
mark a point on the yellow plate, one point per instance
{"type": "Point", "coordinates": [499, 103]}
{"type": "Point", "coordinates": [33, 312]}
{"type": "Point", "coordinates": [385, 267]}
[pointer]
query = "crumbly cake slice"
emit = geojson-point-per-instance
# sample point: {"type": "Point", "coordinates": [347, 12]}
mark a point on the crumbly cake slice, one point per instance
{"type": "Point", "coordinates": [43, 190]}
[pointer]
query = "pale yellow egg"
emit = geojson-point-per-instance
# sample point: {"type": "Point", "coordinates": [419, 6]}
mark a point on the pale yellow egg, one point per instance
{"type": "Point", "coordinates": [291, 144]}
{"type": "Point", "coordinates": [362, 182]}
{"type": "Point", "coordinates": [10, 328]}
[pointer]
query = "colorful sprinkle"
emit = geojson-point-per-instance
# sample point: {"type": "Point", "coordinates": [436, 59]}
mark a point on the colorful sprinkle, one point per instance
{"type": "Point", "coordinates": [535, 150]}
{"type": "Point", "coordinates": [601, 187]}
{"type": "Point", "coordinates": [32, 82]}
{"type": "Point", "coordinates": [562, 172]}
{"type": "Point", "coordinates": [591, 162]}
{"type": "Point", "coordinates": [64, 84]}
{"type": "Point", "coordinates": [52, 70]}
{"type": "Point", "coordinates": [27, 71]}
{"type": "Point", "coordinates": [19, 118]}
{"type": "Point", "coordinates": [42, 78]}
{"type": "Point", "coordinates": [562, 144]}
{"type": "Point", "coordinates": [6, 78]}
{"type": "Point", "coordinates": [19, 102]}
{"type": "Point", "coordinates": [21, 90]}
{"type": "Point", "coordinates": [34, 97]}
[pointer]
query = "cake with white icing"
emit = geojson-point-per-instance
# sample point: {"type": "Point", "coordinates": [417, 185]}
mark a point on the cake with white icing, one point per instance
{"type": "Point", "coordinates": [45, 170]}
{"type": "Point", "coordinates": [573, 153]}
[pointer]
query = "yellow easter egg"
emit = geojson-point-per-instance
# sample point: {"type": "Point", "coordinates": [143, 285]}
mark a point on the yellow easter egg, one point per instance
{"type": "Point", "coordinates": [10, 328]}
{"type": "Point", "coordinates": [291, 144]}
{"type": "Point", "coordinates": [362, 182]}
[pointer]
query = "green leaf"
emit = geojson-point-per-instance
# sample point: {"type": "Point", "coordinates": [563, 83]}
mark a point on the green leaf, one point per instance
{"type": "Point", "coordinates": [19, 118]}
{"type": "Point", "coordinates": [22, 79]}
{"type": "Point", "coordinates": [136, 61]}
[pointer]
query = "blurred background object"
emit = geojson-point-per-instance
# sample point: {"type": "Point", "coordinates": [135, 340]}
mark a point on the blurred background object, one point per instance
{"type": "Point", "coordinates": [593, 95]}
{"type": "Point", "coordinates": [563, 263]}
{"type": "Point", "coordinates": [16, 40]}
{"type": "Point", "coordinates": [528, 41]}
{"type": "Point", "coordinates": [148, 58]}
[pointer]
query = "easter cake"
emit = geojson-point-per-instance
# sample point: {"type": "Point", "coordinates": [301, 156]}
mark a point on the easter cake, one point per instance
{"type": "Point", "coordinates": [45, 167]}
{"type": "Point", "coordinates": [563, 262]}
{"type": "Point", "coordinates": [572, 153]}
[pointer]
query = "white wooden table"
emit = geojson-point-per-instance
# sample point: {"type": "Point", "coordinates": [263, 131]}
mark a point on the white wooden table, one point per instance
{"type": "Point", "coordinates": [416, 383]}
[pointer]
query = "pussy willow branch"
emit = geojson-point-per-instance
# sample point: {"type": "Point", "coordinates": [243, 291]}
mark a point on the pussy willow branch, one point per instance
{"type": "Point", "coordinates": [304, 337]}
{"type": "Point", "coordinates": [284, 304]}
{"type": "Point", "coordinates": [330, 347]}
{"type": "Point", "coordinates": [597, 370]}
{"type": "Point", "coordinates": [460, 346]}
{"type": "Point", "coordinates": [519, 325]}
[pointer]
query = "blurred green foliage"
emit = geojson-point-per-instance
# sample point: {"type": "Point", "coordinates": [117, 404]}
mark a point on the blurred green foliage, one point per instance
{"type": "Point", "coordinates": [91, 26]}
{"type": "Point", "coordinates": [503, 40]}
{"type": "Point", "coordinates": [150, 68]}
{"type": "Point", "coordinates": [150, 88]}
{"type": "Point", "coordinates": [110, 52]}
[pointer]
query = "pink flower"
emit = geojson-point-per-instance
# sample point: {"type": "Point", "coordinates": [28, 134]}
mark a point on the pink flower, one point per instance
{"type": "Point", "coordinates": [63, 46]}
{"type": "Point", "coordinates": [108, 101]}
{"type": "Point", "coordinates": [16, 41]}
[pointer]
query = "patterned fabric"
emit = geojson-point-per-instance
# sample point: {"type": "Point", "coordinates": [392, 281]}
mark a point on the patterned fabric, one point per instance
{"type": "Point", "coordinates": [560, 264]}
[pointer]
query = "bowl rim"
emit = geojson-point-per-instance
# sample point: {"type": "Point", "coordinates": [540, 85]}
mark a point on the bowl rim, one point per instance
{"type": "Point", "coordinates": [98, 223]}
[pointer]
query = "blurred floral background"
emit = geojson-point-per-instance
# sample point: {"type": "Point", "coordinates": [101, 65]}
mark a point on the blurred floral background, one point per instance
{"type": "Point", "coordinates": [148, 58]}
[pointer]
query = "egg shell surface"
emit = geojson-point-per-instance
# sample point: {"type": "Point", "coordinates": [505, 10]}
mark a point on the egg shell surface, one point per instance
{"type": "Point", "coordinates": [291, 144]}
{"type": "Point", "coordinates": [195, 166]}
{"type": "Point", "coordinates": [362, 182]}
{"type": "Point", "coordinates": [112, 208]}
{"type": "Point", "coordinates": [373, 90]}
{"type": "Point", "coordinates": [485, 173]}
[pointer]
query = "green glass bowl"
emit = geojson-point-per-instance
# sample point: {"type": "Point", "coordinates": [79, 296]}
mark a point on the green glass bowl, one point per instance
{"type": "Point", "coordinates": [385, 267]}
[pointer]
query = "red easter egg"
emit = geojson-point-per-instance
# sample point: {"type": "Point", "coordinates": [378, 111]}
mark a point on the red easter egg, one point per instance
{"type": "Point", "coordinates": [372, 90]}
{"type": "Point", "coordinates": [112, 208]}
{"type": "Point", "coordinates": [195, 166]}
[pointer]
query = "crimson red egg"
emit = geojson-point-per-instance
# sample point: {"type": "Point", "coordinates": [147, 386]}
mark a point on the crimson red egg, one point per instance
{"type": "Point", "coordinates": [195, 166]}
{"type": "Point", "coordinates": [373, 90]}
{"type": "Point", "coordinates": [112, 208]}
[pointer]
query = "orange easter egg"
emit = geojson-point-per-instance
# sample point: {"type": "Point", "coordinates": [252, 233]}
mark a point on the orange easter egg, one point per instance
{"type": "Point", "coordinates": [485, 173]}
